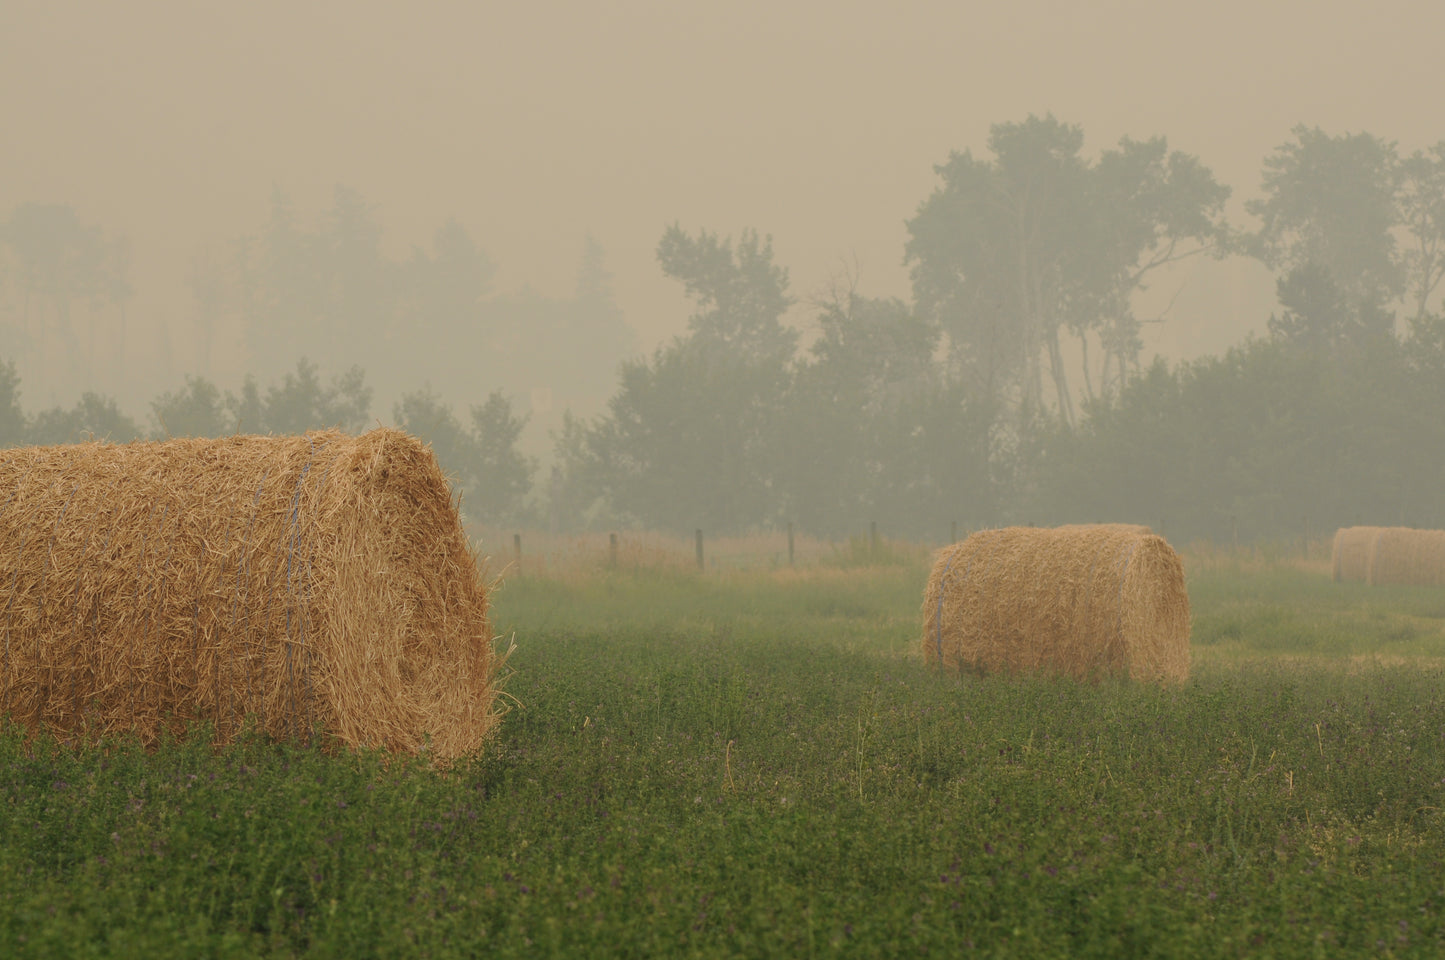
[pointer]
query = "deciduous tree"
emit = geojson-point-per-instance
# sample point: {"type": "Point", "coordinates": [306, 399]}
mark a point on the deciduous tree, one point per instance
{"type": "Point", "coordinates": [1330, 202]}
{"type": "Point", "coordinates": [1010, 252]}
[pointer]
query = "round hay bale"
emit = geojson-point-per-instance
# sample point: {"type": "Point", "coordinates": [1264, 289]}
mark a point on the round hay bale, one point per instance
{"type": "Point", "coordinates": [1082, 601]}
{"type": "Point", "coordinates": [1402, 556]}
{"type": "Point", "coordinates": [319, 582]}
{"type": "Point", "coordinates": [1350, 556]}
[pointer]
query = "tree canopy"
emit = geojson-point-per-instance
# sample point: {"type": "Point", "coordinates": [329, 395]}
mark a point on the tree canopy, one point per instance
{"type": "Point", "coordinates": [1012, 252]}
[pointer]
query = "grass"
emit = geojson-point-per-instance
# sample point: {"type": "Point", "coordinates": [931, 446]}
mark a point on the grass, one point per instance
{"type": "Point", "coordinates": [1301, 613]}
{"type": "Point", "coordinates": [755, 763]}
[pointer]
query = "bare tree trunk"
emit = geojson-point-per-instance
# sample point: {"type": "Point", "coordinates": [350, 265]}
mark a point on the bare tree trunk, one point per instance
{"type": "Point", "coordinates": [89, 351]}
{"type": "Point", "coordinates": [1431, 271]}
{"type": "Point", "coordinates": [120, 335]}
{"type": "Point", "coordinates": [1028, 315]}
{"type": "Point", "coordinates": [34, 341]}
{"type": "Point", "coordinates": [68, 344]}
{"type": "Point", "coordinates": [1047, 330]}
{"type": "Point", "coordinates": [1061, 379]}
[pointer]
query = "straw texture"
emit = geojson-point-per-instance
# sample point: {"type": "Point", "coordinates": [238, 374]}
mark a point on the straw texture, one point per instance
{"type": "Point", "coordinates": [1082, 601]}
{"type": "Point", "coordinates": [1350, 557]}
{"type": "Point", "coordinates": [320, 582]}
{"type": "Point", "coordinates": [1400, 555]}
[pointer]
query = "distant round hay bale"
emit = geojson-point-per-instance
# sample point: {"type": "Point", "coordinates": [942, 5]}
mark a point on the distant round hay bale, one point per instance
{"type": "Point", "coordinates": [1082, 601]}
{"type": "Point", "coordinates": [319, 582]}
{"type": "Point", "coordinates": [1350, 557]}
{"type": "Point", "coordinates": [1406, 557]}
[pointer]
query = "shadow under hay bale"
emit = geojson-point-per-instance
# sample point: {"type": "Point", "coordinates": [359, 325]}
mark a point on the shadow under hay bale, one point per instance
{"type": "Point", "coordinates": [320, 582]}
{"type": "Point", "coordinates": [1082, 601]}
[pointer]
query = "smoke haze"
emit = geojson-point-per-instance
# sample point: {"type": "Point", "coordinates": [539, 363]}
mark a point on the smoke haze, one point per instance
{"type": "Point", "coordinates": [170, 126]}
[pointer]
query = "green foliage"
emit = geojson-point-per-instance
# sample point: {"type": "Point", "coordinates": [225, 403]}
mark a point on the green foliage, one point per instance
{"type": "Point", "coordinates": [300, 403]}
{"type": "Point", "coordinates": [248, 409]}
{"type": "Point", "coordinates": [723, 429]}
{"type": "Point", "coordinates": [747, 766]}
{"type": "Point", "coordinates": [482, 457]}
{"type": "Point", "coordinates": [872, 430]}
{"type": "Point", "coordinates": [503, 474]}
{"type": "Point", "coordinates": [1284, 611]}
{"type": "Point", "coordinates": [1330, 201]}
{"type": "Point", "coordinates": [1333, 212]}
{"type": "Point", "coordinates": [911, 415]}
{"type": "Point", "coordinates": [195, 410]}
{"type": "Point", "coordinates": [981, 241]}
{"type": "Point", "coordinates": [1011, 252]}
{"type": "Point", "coordinates": [688, 441]}
{"type": "Point", "coordinates": [94, 417]}
{"type": "Point", "coordinates": [493, 476]}
{"type": "Point", "coordinates": [1422, 211]}
{"type": "Point", "coordinates": [13, 422]}
{"type": "Point", "coordinates": [740, 294]}
{"type": "Point", "coordinates": [1256, 441]}
{"type": "Point", "coordinates": [1317, 315]}
{"type": "Point", "coordinates": [573, 496]}
{"type": "Point", "coordinates": [424, 415]}
{"type": "Point", "coordinates": [297, 403]}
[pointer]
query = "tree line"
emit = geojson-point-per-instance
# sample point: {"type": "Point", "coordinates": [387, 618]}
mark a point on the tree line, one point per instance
{"type": "Point", "coordinates": [962, 403]}
{"type": "Point", "coordinates": [480, 453]}
{"type": "Point", "coordinates": [303, 284]}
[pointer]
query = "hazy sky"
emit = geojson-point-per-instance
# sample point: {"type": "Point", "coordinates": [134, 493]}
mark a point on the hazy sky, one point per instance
{"type": "Point", "coordinates": [533, 123]}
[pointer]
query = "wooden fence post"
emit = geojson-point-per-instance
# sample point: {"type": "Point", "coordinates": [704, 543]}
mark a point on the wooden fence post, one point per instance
{"type": "Point", "coordinates": [612, 549]}
{"type": "Point", "coordinates": [699, 549]}
{"type": "Point", "coordinates": [873, 541]}
{"type": "Point", "coordinates": [790, 543]}
{"type": "Point", "coordinates": [517, 551]}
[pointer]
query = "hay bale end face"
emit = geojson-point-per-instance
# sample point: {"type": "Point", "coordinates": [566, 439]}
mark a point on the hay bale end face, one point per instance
{"type": "Point", "coordinates": [320, 582]}
{"type": "Point", "coordinates": [1081, 601]}
{"type": "Point", "coordinates": [1350, 555]}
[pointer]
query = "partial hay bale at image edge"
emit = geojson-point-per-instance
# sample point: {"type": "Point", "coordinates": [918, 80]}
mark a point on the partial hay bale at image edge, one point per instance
{"type": "Point", "coordinates": [1389, 556]}
{"type": "Point", "coordinates": [313, 582]}
{"type": "Point", "coordinates": [1084, 601]}
{"type": "Point", "coordinates": [1401, 556]}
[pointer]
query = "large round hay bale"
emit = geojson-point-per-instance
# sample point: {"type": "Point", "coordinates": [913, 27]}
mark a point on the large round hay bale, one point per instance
{"type": "Point", "coordinates": [312, 583]}
{"type": "Point", "coordinates": [1400, 555]}
{"type": "Point", "coordinates": [1350, 556]}
{"type": "Point", "coordinates": [1082, 601]}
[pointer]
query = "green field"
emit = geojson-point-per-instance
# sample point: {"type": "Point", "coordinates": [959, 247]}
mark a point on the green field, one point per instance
{"type": "Point", "coordinates": [759, 764]}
